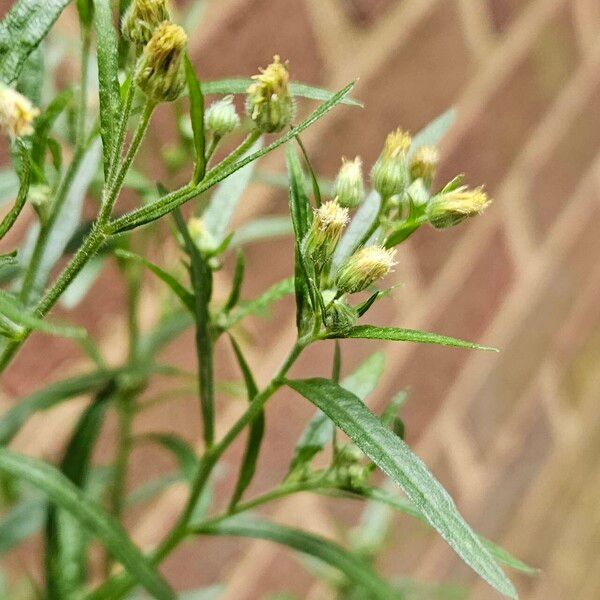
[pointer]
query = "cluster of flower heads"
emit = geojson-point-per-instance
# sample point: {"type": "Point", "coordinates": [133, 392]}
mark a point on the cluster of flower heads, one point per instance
{"type": "Point", "coordinates": [403, 178]}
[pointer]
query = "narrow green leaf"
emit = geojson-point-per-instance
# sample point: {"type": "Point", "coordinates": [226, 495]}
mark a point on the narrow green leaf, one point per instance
{"type": "Point", "coordinates": [238, 279]}
{"type": "Point", "coordinates": [13, 310]}
{"type": "Point", "coordinates": [15, 211]}
{"type": "Point", "coordinates": [186, 297]}
{"type": "Point", "coordinates": [165, 205]}
{"type": "Point", "coordinates": [44, 123]}
{"type": "Point", "coordinates": [255, 432]}
{"type": "Point", "coordinates": [263, 229]}
{"type": "Point", "coordinates": [300, 211]}
{"type": "Point", "coordinates": [260, 305]}
{"type": "Point", "coordinates": [405, 506]}
{"type": "Point", "coordinates": [25, 519]}
{"type": "Point", "coordinates": [48, 397]}
{"type": "Point", "coordinates": [66, 556]}
{"type": "Point", "coordinates": [181, 450]}
{"type": "Point", "coordinates": [319, 431]}
{"type": "Point", "coordinates": [201, 276]}
{"type": "Point", "coordinates": [240, 86]}
{"type": "Point", "coordinates": [24, 27]}
{"type": "Point", "coordinates": [197, 117]}
{"type": "Point", "coordinates": [69, 218]}
{"type": "Point", "coordinates": [226, 197]}
{"type": "Point", "coordinates": [108, 77]}
{"type": "Point", "coordinates": [61, 491]}
{"type": "Point", "coordinates": [336, 556]}
{"type": "Point", "coordinates": [396, 334]}
{"type": "Point", "coordinates": [396, 459]}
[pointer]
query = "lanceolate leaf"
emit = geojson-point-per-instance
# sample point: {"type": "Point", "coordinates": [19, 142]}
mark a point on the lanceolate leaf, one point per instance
{"type": "Point", "coordinates": [12, 421]}
{"type": "Point", "coordinates": [255, 432]}
{"type": "Point", "coordinates": [318, 547]}
{"type": "Point", "coordinates": [183, 452]}
{"type": "Point", "coordinates": [155, 210]}
{"type": "Point", "coordinates": [240, 86]}
{"type": "Point", "coordinates": [186, 297]}
{"type": "Point", "coordinates": [92, 516]}
{"type": "Point", "coordinates": [108, 71]}
{"type": "Point", "coordinates": [319, 431]}
{"type": "Point", "coordinates": [197, 117]}
{"type": "Point", "coordinates": [66, 557]}
{"type": "Point", "coordinates": [405, 506]}
{"type": "Point", "coordinates": [396, 334]}
{"type": "Point", "coordinates": [15, 211]}
{"type": "Point", "coordinates": [396, 459]}
{"type": "Point", "coordinates": [24, 27]}
{"type": "Point", "coordinates": [225, 199]}
{"type": "Point", "coordinates": [261, 304]}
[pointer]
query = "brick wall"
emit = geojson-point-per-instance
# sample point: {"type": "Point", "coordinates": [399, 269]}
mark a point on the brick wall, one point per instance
{"type": "Point", "coordinates": [515, 437]}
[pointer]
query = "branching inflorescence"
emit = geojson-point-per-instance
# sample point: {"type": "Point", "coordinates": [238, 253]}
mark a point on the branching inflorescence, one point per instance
{"type": "Point", "coordinates": [344, 237]}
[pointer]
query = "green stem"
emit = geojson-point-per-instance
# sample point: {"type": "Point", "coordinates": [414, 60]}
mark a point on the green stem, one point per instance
{"type": "Point", "coordinates": [91, 245]}
{"type": "Point", "coordinates": [118, 587]}
{"type": "Point", "coordinates": [114, 163]}
{"type": "Point", "coordinates": [250, 140]}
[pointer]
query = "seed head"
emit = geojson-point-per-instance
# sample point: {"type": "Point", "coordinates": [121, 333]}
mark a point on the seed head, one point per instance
{"type": "Point", "coordinates": [349, 184]}
{"type": "Point", "coordinates": [364, 267]}
{"type": "Point", "coordinates": [447, 209]}
{"type": "Point", "coordinates": [325, 231]}
{"type": "Point", "coordinates": [221, 117]}
{"type": "Point", "coordinates": [390, 172]}
{"type": "Point", "coordinates": [17, 113]}
{"type": "Point", "coordinates": [160, 68]}
{"type": "Point", "coordinates": [269, 103]}
{"type": "Point", "coordinates": [141, 20]}
{"type": "Point", "coordinates": [424, 163]}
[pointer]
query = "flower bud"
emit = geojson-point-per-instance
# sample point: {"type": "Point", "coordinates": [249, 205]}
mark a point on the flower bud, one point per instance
{"type": "Point", "coordinates": [160, 68]}
{"type": "Point", "coordinates": [340, 317]}
{"type": "Point", "coordinates": [325, 231]}
{"type": "Point", "coordinates": [447, 209]}
{"type": "Point", "coordinates": [269, 103]}
{"type": "Point", "coordinates": [424, 163]}
{"type": "Point", "coordinates": [221, 117]}
{"type": "Point", "coordinates": [390, 172]}
{"type": "Point", "coordinates": [200, 235]}
{"type": "Point", "coordinates": [364, 267]}
{"type": "Point", "coordinates": [40, 196]}
{"type": "Point", "coordinates": [141, 20]}
{"type": "Point", "coordinates": [17, 113]}
{"type": "Point", "coordinates": [349, 184]}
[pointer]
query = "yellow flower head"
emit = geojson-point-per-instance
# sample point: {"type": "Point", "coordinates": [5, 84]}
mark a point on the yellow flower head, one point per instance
{"type": "Point", "coordinates": [447, 209]}
{"type": "Point", "coordinates": [142, 18]}
{"type": "Point", "coordinates": [424, 163]}
{"type": "Point", "coordinates": [397, 143]}
{"type": "Point", "coordinates": [349, 184]}
{"type": "Point", "coordinates": [390, 172]}
{"type": "Point", "coordinates": [159, 72]}
{"type": "Point", "coordinates": [269, 103]}
{"type": "Point", "coordinates": [17, 113]}
{"type": "Point", "coordinates": [364, 268]}
{"type": "Point", "coordinates": [325, 231]}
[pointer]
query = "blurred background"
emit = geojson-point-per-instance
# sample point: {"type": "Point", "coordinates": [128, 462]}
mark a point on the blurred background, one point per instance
{"type": "Point", "coordinates": [515, 437]}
